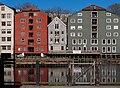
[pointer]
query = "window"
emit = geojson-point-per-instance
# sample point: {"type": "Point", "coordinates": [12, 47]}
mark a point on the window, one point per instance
{"type": "Point", "coordinates": [24, 72]}
{"type": "Point", "coordinates": [2, 8]}
{"type": "Point", "coordinates": [84, 41]}
{"type": "Point", "coordinates": [9, 15]}
{"type": "Point", "coordinates": [56, 26]}
{"type": "Point", "coordinates": [113, 49]}
{"type": "Point", "coordinates": [24, 49]}
{"type": "Point", "coordinates": [94, 41]}
{"type": "Point", "coordinates": [35, 13]}
{"type": "Point", "coordinates": [3, 23]}
{"type": "Point", "coordinates": [8, 31]}
{"type": "Point", "coordinates": [113, 41]}
{"type": "Point", "coordinates": [41, 49]}
{"type": "Point", "coordinates": [72, 27]}
{"type": "Point", "coordinates": [103, 41]}
{"type": "Point", "coordinates": [51, 47]}
{"type": "Point", "coordinates": [108, 34]}
{"type": "Point", "coordinates": [22, 41]}
{"type": "Point", "coordinates": [84, 48]}
{"type": "Point", "coordinates": [38, 41]}
{"type": "Point", "coordinates": [22, 20]}
{"type": "Point", "coordinates": [115, 34]}
{"type": "Point", "coordinates": [94, 21]}
{"type": "Point", "coordinates": [3, 38]}
{"type": "Point", "coordinates": [51, 32]}
{"type": "Point", "coordinates": [31, 15]}
{"type": "Point", "coordinates": [22, 27]}
{"type": "Point", "coordinates": [74, 48]}
{"type": "Point", "coordinates": [62, 39]}
{"type": "Point", "coordinates": [108, 20]}
{"type": "Point", "coordinates": [115, 20]}
{"type": "Point", "coordinates": [79, 20]}
{"type": "Point", "coordinates": [108, 14]}
{"type": "Point", "coordinates": [19, 49]}
{"type": "Point", "coordinates": [62, 47]}
{"type": "Point", "coordinates": [94, 14]}
{"type": "Point", "coordinates": [79, 14]}
{"type": "Point", "coordinates": [8, 23]}
{"type": "Point", "coordinates": [72, 34]}
{"type": "Point", "coordinates": [74, 42]}
{"type": "Point", "coordinates": [51, 39]}
{"type": "Point", "coordinates": [38, 33]}
{"type": "Point", "coordinates": [3, 15]}
{"type": "Point", "coordinates": [108, 49]}
{"type": "Point", "coordinates": [57, 40]}
{"type": "Point", "coordinates": [72, 20]}
{"type": "Point", "coordinates": [94, 48]}
{"type": "Point", "coordinates": [38, 20]}
{"type": "Point", "coordinates": [3, 31]}
{"type": "Point", "coordinates": [30, 21]}
{"type": "Point", "coordinates": [108, 27]}
{"type": "Point", "coordinates": [8, 47]}
{"type": "Point", "coordinates": [25, 14]}
{"type": "Point", "coordinates": [8, 38]}
{"type": "Point", "coordinates": [37, 48]}
{"type": "Point", "coordinates": [22, 33]}
{"type": "Point", "coordinates": [79, 41]}
{"type": "Point", "coordinates": [79, 48]}
{"type": "Point", "coordinates": [3, 47]}
{"type": "Point", "coordinates": [103, 49]}
{"type": "Point", "coordinates": [79, 27]}
{"type": "Point", "coordinates": [51, 74]}
{"type": "Point", "coordinates": [62, 32]}
{"type": "Point", "coordinates": [108, 41]}
{"type": "Point", "coordinates": [116, 27]}
{"type": "Point", "coordinates": [38, 26]}
{"type": "Point", "coordinates": [79, 34]}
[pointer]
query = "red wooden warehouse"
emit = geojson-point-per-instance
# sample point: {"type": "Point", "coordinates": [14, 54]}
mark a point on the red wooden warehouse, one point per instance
{"type": "Point", "coordinates": [31, 32]}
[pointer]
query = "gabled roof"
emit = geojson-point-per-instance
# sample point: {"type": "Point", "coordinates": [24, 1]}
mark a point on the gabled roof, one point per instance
{"type": "Point", "coordinates": [1, 3]}
{"type": "Point", "coordinates": [32, 8]}
{"type": "Point", "coordinates": [54, 20]}
{"type": "Point", "coordinates": [93, 8]}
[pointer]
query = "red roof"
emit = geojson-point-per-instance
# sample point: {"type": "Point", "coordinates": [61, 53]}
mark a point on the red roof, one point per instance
{"type": "Point", "coordinates": [93, 8]}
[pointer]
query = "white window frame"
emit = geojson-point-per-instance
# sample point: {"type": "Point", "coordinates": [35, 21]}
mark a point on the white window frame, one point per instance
{"type": "Point", "coordinates": [79, 20]}
{"type": "Point", "coordinates": [113, 51]}
{"type": "Point", "coordinates": [79, 34]}
{"type": "Point", "coordinates": [108, 20]}
{"type": "Point", "coordinates": [93, 47]}
{"type": "Point", "coordinates": [86, 48]}
{"type": "Point", "coordinates": [102, 41]}
{"type": "Point", "coordinates": [72, 34]}
{"type": "Point", "coordinates": [80, 27]}
{"type": "Point", "coordinates": [79, 14]}
{"type": "Point", "coordinates": [115, 20]}
{"type": "Point", "coordinates": [107, 41]}
{"type": "Point", "coordinates": [115, 26]}
{"type": "Point", "coordinates": [114, 34]}
{"type": "Point", "coordinates": [85, 40]}
{"type": "Point", "coordinates": [74, 47]}
{"type": "Point", "coordinates": [72, 20]}
{"type": "Point", "coordinates": [107, 49]}
{"type": "Point", "coordinates": [108, 34]}
{"type": "Point", "coordinates": [113, 43]}
{"type": "Point", "coordinates": [78, 41]}
{"type": "Point", "coordinates": [80, 47]}
{"type": "Point", "coordinates": [72, 27]}
{"type": "Point", "coordinates": [102, 49]}
{"type": "Point", "coordinates": [108, 27]}
{"type": "Point", "coordinates": [108, 14]}
{"type": "Point", "coordinates": [75, 41]}
{"type": "Point", "coordinates": [94, 42]}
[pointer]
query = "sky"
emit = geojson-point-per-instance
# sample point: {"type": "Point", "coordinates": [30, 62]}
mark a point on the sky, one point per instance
{"type": "Point", "coordinates": [74, 5]}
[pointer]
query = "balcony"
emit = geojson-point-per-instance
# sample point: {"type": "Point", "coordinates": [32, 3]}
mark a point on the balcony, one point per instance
{"type": "Point", "coordinates": [30, 49]}
{"type": "Point", "coordinates": [94, 35]}
{"type": "Point", "coordinates": [94, 14]}
{"type": "Point", "coordinates": [94, 28]}
{"type": "Point", "coordinates": [30, 35]}
{"type": "Point", "coordinates": [30, 21]}
{"type": "Point", "coordinates": [30, 42]}
{"type": "Point", "coordinates": [31, 28]}
{"type": "Point", "coordinates": [30, 15]}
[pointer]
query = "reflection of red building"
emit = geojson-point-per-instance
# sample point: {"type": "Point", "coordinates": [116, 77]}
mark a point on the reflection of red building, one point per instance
{"type": "Point", "coordinates": [27, 73]}
{"type": "Point", "coordinates": [31, 31]}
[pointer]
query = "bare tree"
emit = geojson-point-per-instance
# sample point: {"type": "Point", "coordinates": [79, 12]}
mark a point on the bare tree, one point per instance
{"type": "Point", "coordinates": [115, 8]}
{"type": "Point", "coordinates": [25, 5]}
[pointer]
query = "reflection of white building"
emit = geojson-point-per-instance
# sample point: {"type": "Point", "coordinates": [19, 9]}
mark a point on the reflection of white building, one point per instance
{"type": "Point", "coordinates": [7, 38]}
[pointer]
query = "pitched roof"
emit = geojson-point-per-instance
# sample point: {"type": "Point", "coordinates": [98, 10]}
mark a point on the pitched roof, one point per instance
{"type": "Point", "coordinates": [32, 8]}
{"type": "Point", "coordinates": [93, 8]}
